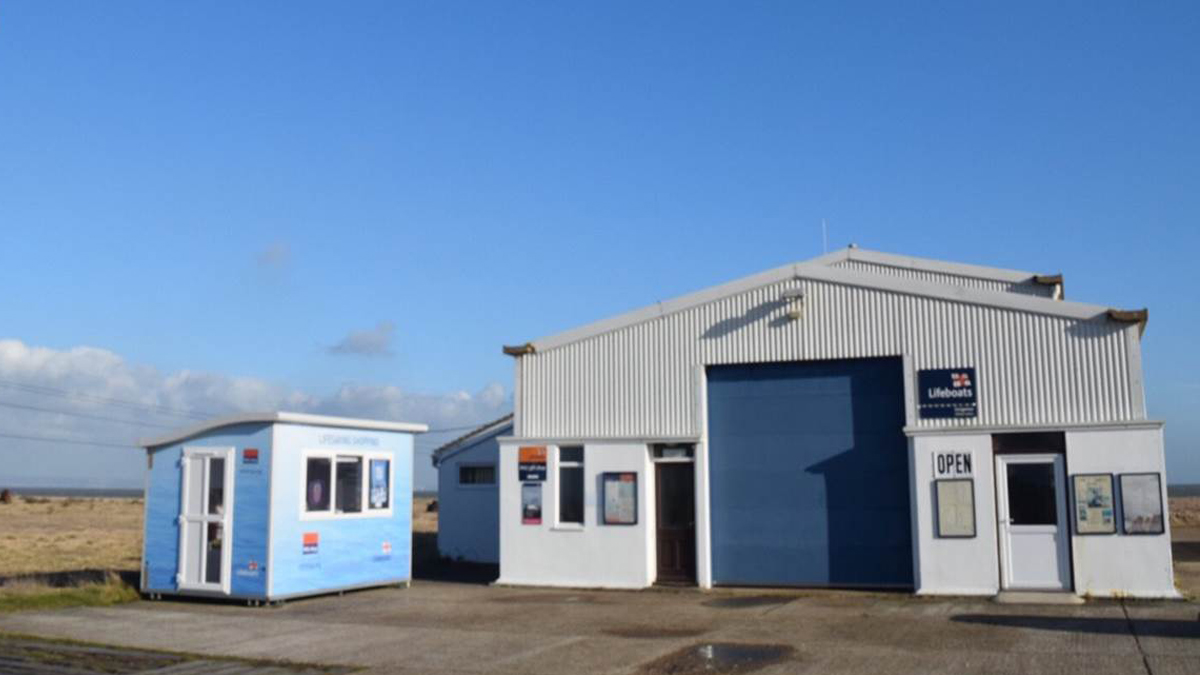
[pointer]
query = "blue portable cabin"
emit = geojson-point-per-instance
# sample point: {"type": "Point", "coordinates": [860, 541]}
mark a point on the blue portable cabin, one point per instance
{"type": "Point", "coordinates": [271, 506]}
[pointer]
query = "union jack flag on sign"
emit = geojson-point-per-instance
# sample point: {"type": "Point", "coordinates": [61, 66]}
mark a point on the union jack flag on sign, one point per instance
{"type": "Point", "coordinates": [960, 380]}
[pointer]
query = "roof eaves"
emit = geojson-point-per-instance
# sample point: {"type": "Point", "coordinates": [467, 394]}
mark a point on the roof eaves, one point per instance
{"type": "Point", "coordinates": [931, 265]}
{"type": "Point", "coordinates": [282, 418]}
{"type": "Point", "coordinates": [495, 427]}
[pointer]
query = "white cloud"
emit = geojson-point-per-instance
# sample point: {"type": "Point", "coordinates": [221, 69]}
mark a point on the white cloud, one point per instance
{"type": "Point", "coordinates": [375, 341]}
{"type": "Point", "coordinates": [40, 375]}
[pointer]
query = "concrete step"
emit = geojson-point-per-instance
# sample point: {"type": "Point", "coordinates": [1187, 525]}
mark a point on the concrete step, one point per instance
{"type": "Point", "coordinates": [1037, 598]}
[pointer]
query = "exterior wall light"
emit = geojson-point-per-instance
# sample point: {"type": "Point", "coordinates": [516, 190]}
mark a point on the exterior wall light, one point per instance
{"type": "Point", "coordinates": [794, 298]}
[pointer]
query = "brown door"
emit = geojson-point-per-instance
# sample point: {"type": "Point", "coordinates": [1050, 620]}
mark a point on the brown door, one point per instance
{"type": "Point", "coordinates": [676, 509]}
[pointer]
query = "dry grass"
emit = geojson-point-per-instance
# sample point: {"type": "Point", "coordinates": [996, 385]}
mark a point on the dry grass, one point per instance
{"type": "Point", "coordinates": [58, 534]}
{"type": "Point", "coordinates": [1185, 511]}
{"type": "Point", "coordinates": [423, 520]}
{"type": "Point", "coordinates": [21, 595]}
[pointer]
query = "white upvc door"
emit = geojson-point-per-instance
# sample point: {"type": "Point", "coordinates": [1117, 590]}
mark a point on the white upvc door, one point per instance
{"type": "Point", "coordinates": [1034, 535]}
{"type": "Point", "coordinates": [206, 520]}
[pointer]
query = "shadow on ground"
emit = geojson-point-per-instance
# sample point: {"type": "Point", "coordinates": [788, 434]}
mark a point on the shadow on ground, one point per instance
{"type": "Point", "coordinates": [428, 566]}
{"type": "Point", "coordinates": [1186, 551]}
{"type": "Point", "coordinates": [1142, 627]}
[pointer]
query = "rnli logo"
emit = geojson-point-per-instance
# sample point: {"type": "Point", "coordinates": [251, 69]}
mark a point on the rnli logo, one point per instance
{"type": "Point", "coordinates": [958, 380]}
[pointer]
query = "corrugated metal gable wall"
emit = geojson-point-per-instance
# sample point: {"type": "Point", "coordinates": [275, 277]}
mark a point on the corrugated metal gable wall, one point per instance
{"type": "Point", "coordinates": [1027, 287]}
{"type": "Point", "coordinates": [639, 380]}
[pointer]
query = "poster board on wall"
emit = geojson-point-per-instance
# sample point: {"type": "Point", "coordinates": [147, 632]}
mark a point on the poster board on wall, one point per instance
{"type": "Point", "coordinates": [1141, 503]}
{"type": "Point", "coordinates": [531, 503]}
{"type": "Point", "coordinates": [1095, 512]}
{"type": "Point", "coordinates": [620, 498]}
{"type": "Point", "coordinates": [955, 508]}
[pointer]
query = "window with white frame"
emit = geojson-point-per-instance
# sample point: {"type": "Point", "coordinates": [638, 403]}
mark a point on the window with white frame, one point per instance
{"type": "Point", "coordinates": [570, 484]}
{"type": "Point", "coordinates": [318, 487]}
{"type": "Point", "coordinates": [349, 484]}
{"type": "Point", "coordinates": [346, 485]}
{"type": "Point", "coordinates": [380, 485]}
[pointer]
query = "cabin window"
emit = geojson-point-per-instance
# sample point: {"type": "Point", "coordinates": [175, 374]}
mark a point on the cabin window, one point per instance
{"type": "Point", "coordinates": [381, 484]}
{"type": "Point", "coordinates": [346, 485]}
{"type": "Point", "coordinates": [476, 475]}
{"type": "Point", "coordinates": [570, 485]}
{"type": "Point", "coordinates": [318, 489]}
{"type": "Point", "coordinates": [349, 484]}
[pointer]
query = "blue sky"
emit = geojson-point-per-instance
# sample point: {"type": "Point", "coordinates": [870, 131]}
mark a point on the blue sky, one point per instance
{"type": "Point", "coordinates": [236, 189]}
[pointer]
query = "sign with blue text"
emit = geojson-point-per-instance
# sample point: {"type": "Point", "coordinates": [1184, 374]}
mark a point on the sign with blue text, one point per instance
{"type": "Point", "coordinates": [947, 392]}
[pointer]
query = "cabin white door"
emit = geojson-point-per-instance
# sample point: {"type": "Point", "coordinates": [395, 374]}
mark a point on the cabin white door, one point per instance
{"type": "Point", "coordinates": [1032, 508]}
{"type": "Point", "coordinates": [206, 520]}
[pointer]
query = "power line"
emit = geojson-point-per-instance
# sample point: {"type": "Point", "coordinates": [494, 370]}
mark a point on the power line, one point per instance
{"type": "Point", "coordinates": [72, 441]}
{"type": "Point", "coordinates": [78, 414]}
{"type": "Point", "coordinates": [52, 391]}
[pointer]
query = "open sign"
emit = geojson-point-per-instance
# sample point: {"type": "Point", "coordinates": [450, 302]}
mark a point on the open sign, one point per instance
{"type": "Point", "coordinates": [954, 464]}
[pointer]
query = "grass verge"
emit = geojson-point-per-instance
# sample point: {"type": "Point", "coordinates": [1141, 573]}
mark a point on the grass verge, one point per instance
{"type": "Point", "coordinates": [26, 596]}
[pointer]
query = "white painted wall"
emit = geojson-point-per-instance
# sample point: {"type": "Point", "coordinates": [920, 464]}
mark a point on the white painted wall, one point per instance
{"type": "Point", "coordinates": [1103, 565]}
{"type": "Point", "coordinates": [469, 515]}
{"type": "Point", "coordinates": [954, 566]}
{"type": "Point", "coordinates": [592, 555]}
{"type": "Point", "coordinates": [1121, 564]}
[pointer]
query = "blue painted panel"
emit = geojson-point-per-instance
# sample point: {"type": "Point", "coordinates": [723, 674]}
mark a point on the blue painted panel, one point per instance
{"type": "Point", "coordinates": [469, 515]}
{"type": "Point", "coordinates": [251, 499]}
{"type": "Point", "coordinates": [809, 474]}
{"type": "Point", "coordinates": [351, 550]}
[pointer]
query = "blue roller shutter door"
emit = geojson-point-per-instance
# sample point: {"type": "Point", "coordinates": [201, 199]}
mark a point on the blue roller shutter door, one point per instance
{"type": "Point", "coordinates": [809, 474]}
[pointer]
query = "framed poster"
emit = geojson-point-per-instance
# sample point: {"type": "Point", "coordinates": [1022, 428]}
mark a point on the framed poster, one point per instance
{"type": "Point", "coordinates": [1141, 503]}
{"type": "Point", "coordinates": [1094, 510]}
{"type": "Point", "coordinates": [620, 498]}
{"type": "Point", "coordinates": [955, 508]}
{"type": "Point", "coordinates": [531, 503]}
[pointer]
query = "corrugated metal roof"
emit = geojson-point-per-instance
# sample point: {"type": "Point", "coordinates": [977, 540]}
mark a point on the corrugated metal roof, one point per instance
{"type": "Point", "coordinates": [824, 269]}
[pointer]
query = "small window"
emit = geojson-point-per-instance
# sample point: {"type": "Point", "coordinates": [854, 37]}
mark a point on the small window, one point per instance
{"type": "Point", "coordinates": [477, 475]}
{"type": "Point", "coordinates": [381, 476]}
{"type": "Point", "coordinates": [570, 485]}
{"type": "Point", "coordinates": [349, 484]}
{"type": "Point", "coordinates": [317, 492]}
{"type": "Point", "coordinates": [1032, 495]}
{"type": "Point", "coordinates": [674, 451]}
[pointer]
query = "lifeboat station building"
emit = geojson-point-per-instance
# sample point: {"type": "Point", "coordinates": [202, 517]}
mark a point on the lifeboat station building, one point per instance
{"type": "Point", "coordinates": [859, 420]}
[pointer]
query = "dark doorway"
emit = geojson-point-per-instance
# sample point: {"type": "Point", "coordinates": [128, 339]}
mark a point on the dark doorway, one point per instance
{"type": "Point", "coordinates": [676, 507]}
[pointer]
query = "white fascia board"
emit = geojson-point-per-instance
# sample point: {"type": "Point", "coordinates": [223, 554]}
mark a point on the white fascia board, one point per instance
{"type": "Point", "coordinates": [822, 272]}
{"type": "Point", "coordinates": [599, 440]}
{"type": "Point", "coordinates": [283, 418]}
{"type": "Point", "coordinates": [1131, 425]}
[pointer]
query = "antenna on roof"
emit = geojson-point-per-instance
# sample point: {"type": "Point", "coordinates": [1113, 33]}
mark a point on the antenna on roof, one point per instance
{"type": "Point", "coordinates": [824, 237]}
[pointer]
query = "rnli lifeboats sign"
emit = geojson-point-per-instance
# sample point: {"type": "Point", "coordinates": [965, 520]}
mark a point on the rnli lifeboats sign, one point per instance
{"type": "Point", "coordinates": [947, 392]}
